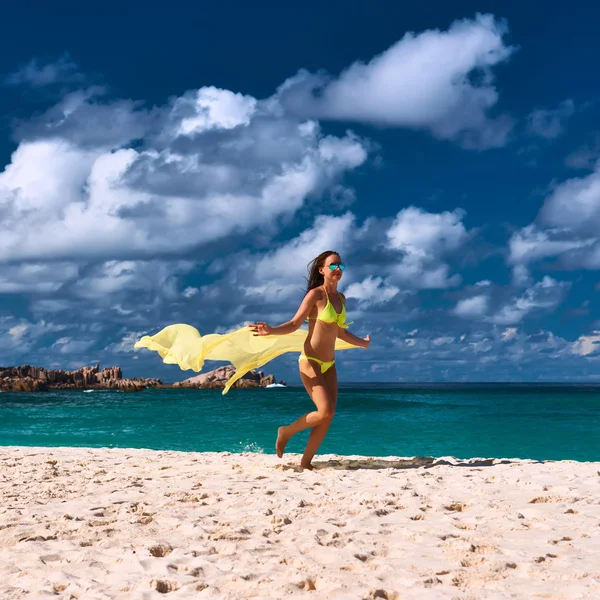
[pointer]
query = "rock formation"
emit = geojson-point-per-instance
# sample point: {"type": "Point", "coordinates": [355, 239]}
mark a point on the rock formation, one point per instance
{"type": "Point", "coordinates": [32, 379]}
{"type": "Point", "coordinates": [36, 379]}
{"type": "Point", "coordinates": [220, 376]}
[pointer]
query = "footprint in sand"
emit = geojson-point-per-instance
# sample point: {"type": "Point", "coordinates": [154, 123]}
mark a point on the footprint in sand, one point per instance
{"type": "Point", "coordinates": [472, 561]}
{"type": "Point", "coordinates": [456, 507]}
{"type": "Point", "coordinates": [564, 539]}
{"type": "Point", "coordinates": [483, 549]}
{"type": "Point", "coordinates": [164, 587]}
{"type": "Point", "coordinates": [382, 594]}
{"type": "Point", "coordinates": [160, 550]}
{"type": "Point", "coordinates": [308, 585]}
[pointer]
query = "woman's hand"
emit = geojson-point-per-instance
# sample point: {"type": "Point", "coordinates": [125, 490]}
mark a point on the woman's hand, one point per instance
{"type": "Point", "coordinates": [261, 328]}
{"type": "Point", "coordinates": [367, 341]}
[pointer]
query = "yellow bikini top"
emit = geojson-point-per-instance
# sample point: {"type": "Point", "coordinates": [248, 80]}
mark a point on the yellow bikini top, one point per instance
{"type": "Point", "coordinates": [329, 314]}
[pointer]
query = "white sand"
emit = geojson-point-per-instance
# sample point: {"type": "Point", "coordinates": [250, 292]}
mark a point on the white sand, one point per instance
{"type": "Point", "coordinates": [113, 523]}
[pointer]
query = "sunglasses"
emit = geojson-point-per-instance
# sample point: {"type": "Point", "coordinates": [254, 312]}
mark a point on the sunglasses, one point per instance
{"type": "Point", "coordinates": [334, 266]}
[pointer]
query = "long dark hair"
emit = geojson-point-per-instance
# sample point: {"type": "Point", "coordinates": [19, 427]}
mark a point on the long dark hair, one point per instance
{"type": "Point", "coordinates": [315, 279]}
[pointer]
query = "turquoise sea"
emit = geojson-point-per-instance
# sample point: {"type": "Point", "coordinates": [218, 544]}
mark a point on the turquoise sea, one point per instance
{"type": "Point", "coordinates": [545, 422]}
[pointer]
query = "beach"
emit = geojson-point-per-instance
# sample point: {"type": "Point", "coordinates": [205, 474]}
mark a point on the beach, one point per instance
{"type": "Point", "coordinates": [126, 523]}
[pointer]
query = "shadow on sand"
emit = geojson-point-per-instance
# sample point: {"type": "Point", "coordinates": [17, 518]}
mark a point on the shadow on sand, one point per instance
{"type": "Point", "coordinates": [353, 464]}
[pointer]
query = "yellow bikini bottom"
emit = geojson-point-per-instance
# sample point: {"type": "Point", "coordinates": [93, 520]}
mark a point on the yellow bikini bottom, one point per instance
{"type": "Point", "coordinates": [325, 364]}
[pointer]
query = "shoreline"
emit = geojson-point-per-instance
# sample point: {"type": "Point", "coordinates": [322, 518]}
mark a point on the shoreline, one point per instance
{"type": "Point", "coordinates": [326, 460]}
{"type": "Point", "coordinates": [81, 522]}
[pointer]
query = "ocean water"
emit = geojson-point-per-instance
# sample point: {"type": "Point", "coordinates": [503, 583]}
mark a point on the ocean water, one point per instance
{"type": "Point", "coordinates": [543, 422]}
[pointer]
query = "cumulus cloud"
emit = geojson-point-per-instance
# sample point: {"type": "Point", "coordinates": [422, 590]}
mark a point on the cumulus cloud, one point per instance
{"type": "Point", "coordinates": [20, 336]}
{"type": "Point", "coordinates": [587, 345]}
{"type": "Point", "coordinates": [67, 345]}
{"type": "Point", "coordinates": [64, 70]}
{"type": "Point", "coordinates": [87, 120]}
{"type": "Point", "coordinates": [566, 227]}
{"type": "Point", "coordinates": [509, 333]}
{"type": "Point", "coordinates": [372, 291]}
{"type": "Point", "coordinates": [487, 353]}
{"type": "Point", "coordinates": [546, 295]}
{"type": "Point", "coordinates": [476, 306]}
{"type": "Point", "coordinates": [278, 275]}
{"type": "Point", "coordinates": [531, 244]}
{"type": "Point", "coordinates": [441, 81]}
{"type": "Point", "coordinates": [212, 108]}
{"type": "Point", "coordinates": [37, 278]}
{"type": "Point", "coordinates": [574, 204]}
{"type": "Point", "coordinates": [126, 343]}
{"type": "Point", "coordinates": [206, 174]}
{"type": "Point", "coordinates": [423, 240]}
{"type": "Point", "coordinates": [408, 256]}
{"type": "Point", "coordinates": [110, 278]}
{"type": "Point", "coordinates": [549, 124]}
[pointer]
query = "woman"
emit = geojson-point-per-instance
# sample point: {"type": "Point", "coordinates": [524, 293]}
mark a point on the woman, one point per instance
{"type": "Point", "coordinates": [325, 309]}
{"type": "Point", "coordinates": [253, 346]}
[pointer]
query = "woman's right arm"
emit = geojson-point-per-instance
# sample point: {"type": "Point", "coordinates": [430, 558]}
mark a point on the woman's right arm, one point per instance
{"type": "Point", "coordinates": [261, 328]}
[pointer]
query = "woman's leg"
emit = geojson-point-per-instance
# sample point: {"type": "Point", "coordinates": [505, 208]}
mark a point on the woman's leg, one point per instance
{"type": "Point", "coordinates": [318, 433]}
{"type": "Point", "coordinates": [316, 387]}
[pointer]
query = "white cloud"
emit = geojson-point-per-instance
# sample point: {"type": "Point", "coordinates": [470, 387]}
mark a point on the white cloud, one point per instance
{"type": "Point", "coordinates": [546, 294]}
{"type": "Point", "coordinates": [436, 80]}
{"type": "Point", "coordinates": [443, 341]}
{"type": "Point", "coordinates": [64, 70]}
{"type": "Point", "coordinates": [125, 345]}
{"type": "Point", "coordinates": [20, 336]}
{"type": "Point", "coordinates": [288, 263]}
{"type": "Point", "coordinates": [408, 257]}
{"type": "Point", "coordinates": [426, 235]}
{"type": "Point", "coordinates": [190, 292]}
{"type": "Point", "coordinates": [574, 204]}
{"type": "Point", "coordinates": [587, 344]}
{"type": "Point", "coordinates": [371, 291]}
{"type": "Point", "coordinates": [111, 277]}
{"type": "Point", "coordinates": [424, 239]}
{"type": "Point", "coordinates": [18, 331]}
{"type": "Point", "coordinates": [549, 124]}
{"type": "Point", "coordinates": [67, 345]}
{"type": "Point", "coordinates": [37, 278]}
{"type": "Point", "coordinates": [482, 346]}
{"type": "Point", "coordinates": [213, 108]}
{"type": "Point", "coordinates": [566, 227]}
{"type": "Point", "coordinates": [531, 244]}
{"type": "Point", "coordinates": [509, 333]}
{"type": "Point", "coordinates": [74, 194]}
{"type": "Point", "coordinates": [476, 306]}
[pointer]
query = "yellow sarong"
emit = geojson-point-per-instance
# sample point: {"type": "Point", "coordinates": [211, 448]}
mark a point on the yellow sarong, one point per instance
{"type": "Point", "coordinates": [183, 345]}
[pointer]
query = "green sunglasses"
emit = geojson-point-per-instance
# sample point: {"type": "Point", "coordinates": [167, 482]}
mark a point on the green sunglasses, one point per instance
{"type": "Point", "coordinates": [334, 266]}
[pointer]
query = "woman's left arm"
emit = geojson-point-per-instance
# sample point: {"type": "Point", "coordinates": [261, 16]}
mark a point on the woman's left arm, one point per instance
{"type": "Point", "coordinates": [349, 337]}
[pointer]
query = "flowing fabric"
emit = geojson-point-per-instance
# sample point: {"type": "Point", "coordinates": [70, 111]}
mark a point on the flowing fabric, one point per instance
{"type": "Point", "coordinates": [183, 345]}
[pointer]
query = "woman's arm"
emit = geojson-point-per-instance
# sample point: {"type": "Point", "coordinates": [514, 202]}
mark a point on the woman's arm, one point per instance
{"type": "Point", "coordinates": [349, 337]}
{"type": "Point", "coordinates": [262, 328]}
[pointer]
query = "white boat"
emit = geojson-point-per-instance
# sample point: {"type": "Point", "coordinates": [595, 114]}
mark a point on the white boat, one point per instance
{"type": "Point", "coordinates": [87, 391]}
{"type": "Point", "coordinates": [274, 385]}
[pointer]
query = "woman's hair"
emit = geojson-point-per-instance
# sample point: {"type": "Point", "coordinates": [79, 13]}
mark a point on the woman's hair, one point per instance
{"type": "Point", "coordinates": [315, 279]}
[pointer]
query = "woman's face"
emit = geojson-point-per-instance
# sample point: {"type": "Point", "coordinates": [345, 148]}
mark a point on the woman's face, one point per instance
{"type": "Point", "coordinates": [331, 269]}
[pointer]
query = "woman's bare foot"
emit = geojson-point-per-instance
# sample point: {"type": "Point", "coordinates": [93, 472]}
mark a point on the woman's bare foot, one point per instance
{"type": "Point", "coordinates": [308, 467]}
{"type": "Point", "coordinates": [282, 440]}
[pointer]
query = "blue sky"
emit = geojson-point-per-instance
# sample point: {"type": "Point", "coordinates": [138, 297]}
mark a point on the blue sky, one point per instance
{"type": "Point", "coordinates": [185, 165]}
